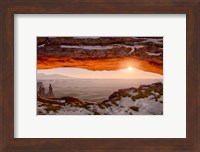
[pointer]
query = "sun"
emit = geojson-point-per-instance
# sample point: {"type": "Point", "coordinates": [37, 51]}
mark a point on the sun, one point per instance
{"type": "Point", "coordinates": [129, 69]}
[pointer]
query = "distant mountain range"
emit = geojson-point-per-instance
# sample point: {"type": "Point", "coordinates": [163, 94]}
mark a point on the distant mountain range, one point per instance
{"type": "Point", "coordinates": [52, 76]}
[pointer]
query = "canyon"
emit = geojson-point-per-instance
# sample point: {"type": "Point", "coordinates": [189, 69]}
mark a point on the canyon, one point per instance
{"type": "Point", "coordinates": [144, 100]}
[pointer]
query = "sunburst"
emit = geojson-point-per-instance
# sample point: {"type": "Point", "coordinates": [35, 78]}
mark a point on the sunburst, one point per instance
{"type": "Point", "coordinates": [129, 69]}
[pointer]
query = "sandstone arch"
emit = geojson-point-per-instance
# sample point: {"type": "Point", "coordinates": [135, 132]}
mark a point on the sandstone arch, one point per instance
{"type": "Point", "coordinates": [105, 53]}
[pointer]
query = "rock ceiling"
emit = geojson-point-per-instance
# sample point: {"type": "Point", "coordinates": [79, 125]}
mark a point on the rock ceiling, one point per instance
{"type": "Point", "coordinates": [104, 53]}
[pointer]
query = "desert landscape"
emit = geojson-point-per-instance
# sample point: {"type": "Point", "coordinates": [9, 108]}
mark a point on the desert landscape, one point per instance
{"type": "Point", "coordinates": [99, 75]}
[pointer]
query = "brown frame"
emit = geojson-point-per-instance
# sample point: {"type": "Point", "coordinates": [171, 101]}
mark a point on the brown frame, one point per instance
{"type": "Point", "coordinates": [10, 7]}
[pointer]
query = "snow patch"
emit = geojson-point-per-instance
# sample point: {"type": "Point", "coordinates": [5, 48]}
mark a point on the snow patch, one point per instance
{"type": "Point", "coordinates": [153, 54]}
{"type": "Point", "coordinates": [99, 47]}
{"type": "Point", "coordinates": [133, 48]}
{"type": "Point", "coordinates": [155, 93]}
{"type": "Point", "coordinates": [61, 101]}
{"type": "Point", "coordinates": [40, 46]}
{"type": "Point", "coordinates": [156, 41]}
{"type": "Point", "coordinates": [133, 93]}
{"type": "Point", "coordinates": [95, 47]}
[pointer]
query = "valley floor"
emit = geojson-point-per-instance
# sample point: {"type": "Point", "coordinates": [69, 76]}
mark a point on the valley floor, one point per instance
{"type": "Point", "coordinates": [144, 100]}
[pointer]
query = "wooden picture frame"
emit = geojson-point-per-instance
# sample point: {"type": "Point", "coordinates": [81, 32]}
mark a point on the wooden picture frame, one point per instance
{"type": "Point", "coordinates": [7, 11]}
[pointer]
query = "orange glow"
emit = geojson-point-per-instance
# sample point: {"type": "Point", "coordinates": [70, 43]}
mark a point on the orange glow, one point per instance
{"type": "Point", "coordinates": [130, 69]}
{"type": "Point", "coordinates": [46, 62]}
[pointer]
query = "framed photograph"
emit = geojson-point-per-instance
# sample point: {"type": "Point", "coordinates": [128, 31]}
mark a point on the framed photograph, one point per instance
{"type": "Point", "coordinates": [99, 76]}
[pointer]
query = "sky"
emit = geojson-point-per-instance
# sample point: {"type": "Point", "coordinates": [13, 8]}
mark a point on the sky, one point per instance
{"type": "Point", "coordinates": [128, 73]}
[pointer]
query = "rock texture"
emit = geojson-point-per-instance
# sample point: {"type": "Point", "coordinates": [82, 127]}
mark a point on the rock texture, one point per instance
{"type": "Point", "coordinates": [41, 91]}
{"type": "Point", "coordinates": [104, 53]}
{"type": "Point", "coordinates": [145, 100]}
{"type": "Point", "coordinates": [50, 94]}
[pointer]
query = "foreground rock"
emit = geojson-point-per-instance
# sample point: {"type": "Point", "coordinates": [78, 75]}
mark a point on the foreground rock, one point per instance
{"type": "Point", "coordinates": [145, 100]}
{"type": "Point", "coordinates": [106, 53]}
